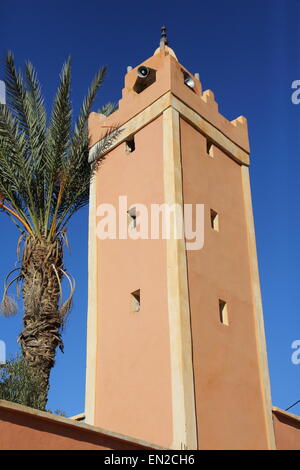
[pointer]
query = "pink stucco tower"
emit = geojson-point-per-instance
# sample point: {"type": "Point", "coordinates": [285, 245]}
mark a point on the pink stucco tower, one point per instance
{"type": "Point", "coordinates": [176, 349]}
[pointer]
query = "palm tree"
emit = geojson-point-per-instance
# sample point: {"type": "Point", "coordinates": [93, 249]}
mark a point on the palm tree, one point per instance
{"type": "Point", "coordinates": [44, 180]}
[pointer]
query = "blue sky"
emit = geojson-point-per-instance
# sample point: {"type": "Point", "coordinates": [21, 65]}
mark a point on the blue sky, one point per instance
{"type": "Point", "coordinates": [248, 54]}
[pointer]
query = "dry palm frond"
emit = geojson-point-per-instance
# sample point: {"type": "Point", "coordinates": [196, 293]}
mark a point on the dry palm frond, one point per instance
{"type": "Point", "coordinates": [58, 280]}
{"type": "Point", "coordinates": [8, 306]}
{"type": "Point", "coordinates": [64, 236]}
{"type": "Point", "coordinates": [18, 287]}
{"type": "Point", "coordinates": [67, 305]}
{"type": "Point", "coordinates": [21, 237]}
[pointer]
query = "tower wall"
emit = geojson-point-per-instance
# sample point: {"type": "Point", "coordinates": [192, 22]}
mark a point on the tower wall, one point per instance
{"type": "Point", "coordinates": [173, 373]}
{"type": "Point", "coordinates": [229, 400]}
{"type": "Point", "coordinates": [133, 383]}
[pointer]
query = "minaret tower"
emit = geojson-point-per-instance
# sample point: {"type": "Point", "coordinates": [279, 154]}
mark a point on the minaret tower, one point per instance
{"type": "Point", "coordinates": [176, 351]}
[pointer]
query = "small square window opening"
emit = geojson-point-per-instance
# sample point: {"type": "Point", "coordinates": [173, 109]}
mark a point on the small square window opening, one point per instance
{"type": "Point", "coordinates": [136, 301]}
{"type": "Point", "coordinates": [223, 311]}
{"type": "Point", "coordinates": [214, 220]}
{"type": "Point", "coordinates": [130, 145]}
{"type": "Point", "coordinates": [132, 218]}
{"type": "Point", "coordinates": [209, 148]}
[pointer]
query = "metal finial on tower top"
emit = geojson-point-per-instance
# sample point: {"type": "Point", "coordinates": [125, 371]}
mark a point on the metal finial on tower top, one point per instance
{"type": "Point", "coordinates": [163, 35]}
{"type": "Point", "coordinates": [164, 47]}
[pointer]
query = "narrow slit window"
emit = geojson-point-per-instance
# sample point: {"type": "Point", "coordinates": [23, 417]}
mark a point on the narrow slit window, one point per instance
{"type": "Point", "coordinates": [132, 218]}
{"type": "Point", "coordinates": [209, 148]}
{"type": "Point", "coordinates": [214, 220]}
{"type": "Point", "coordinates": [136, 301]}
{"type": "Point", "coordinates": [223, 311]}
{"type": "Point", "coordinates": [130, 145]}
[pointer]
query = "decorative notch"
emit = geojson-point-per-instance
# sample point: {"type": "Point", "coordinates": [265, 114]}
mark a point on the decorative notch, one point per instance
{"type": "Point", "coordinates": [132, 218]}
{"type": "Point", "coordinates": [223, 311]}
{"type": "Point", "coordinates": [214, 220]}
{"type": "Point", "coordinates": [130, 145]}
{"type": "Point", "coordinates": [136, 301]}
{"type": "Point", "coordinates": [209, 148]}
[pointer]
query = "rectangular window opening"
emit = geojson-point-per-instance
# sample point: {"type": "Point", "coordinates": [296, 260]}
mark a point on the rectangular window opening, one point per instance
{"type": "Point", "coordinates": [146, 77]}
{"type": "Point", "coordinates": [132, 218]}
{"type": "Point", "coordinates": [188, 81]}
{"type": "Point", "coordinates": [223, 311]}
{"type": "Point", "coordinates": [130, 145]}
{"type": "Point", "coordinates": [214, 220]}
{"type": "Point", "coordinates": [136, 301]}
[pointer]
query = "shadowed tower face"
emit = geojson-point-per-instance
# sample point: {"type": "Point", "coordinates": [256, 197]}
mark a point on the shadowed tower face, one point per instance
{"type": "Point", "coordinates": [176, 349]}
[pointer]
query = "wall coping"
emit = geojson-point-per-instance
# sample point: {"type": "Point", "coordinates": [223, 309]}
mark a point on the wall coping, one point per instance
{"type": "Point", "coordinates": [71, 423]}
{"type": "Point", "coordinates": [78, 417]}
{"type": "Point", "coordinates": [286, 414]}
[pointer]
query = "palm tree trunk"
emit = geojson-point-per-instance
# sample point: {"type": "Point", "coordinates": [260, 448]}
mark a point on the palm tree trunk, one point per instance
{"type": "Point", "coordinates": [41, 271]}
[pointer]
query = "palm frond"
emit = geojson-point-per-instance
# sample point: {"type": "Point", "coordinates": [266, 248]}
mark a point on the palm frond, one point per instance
{"type": "Point", "coordinates": [45, 174]}
{"type": "Point", "coordinates": [8, 305]}
{"type": "Point", "coordinates": [15, 92]}
{"type": "Point", "coordinates": [80, 127]}
{"type": "Point", "coordinates": [58, 142]}
{"type": "Point", "coordinates": [37, 121]}
{"type": "Point", "coordinates": [15, 176]}
{"type": "Point", "coordinates": [108, 109]}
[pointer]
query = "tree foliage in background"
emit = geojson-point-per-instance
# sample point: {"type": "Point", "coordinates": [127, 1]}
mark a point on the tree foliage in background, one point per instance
{"type": "Point", "coordinates": [20, 384]}
{"type": "Point", "coordinates": [44, 180]}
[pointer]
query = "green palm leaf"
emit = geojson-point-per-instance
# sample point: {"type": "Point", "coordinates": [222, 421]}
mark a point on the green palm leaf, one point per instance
{"type": "Point", "coordinates": [45, 178]}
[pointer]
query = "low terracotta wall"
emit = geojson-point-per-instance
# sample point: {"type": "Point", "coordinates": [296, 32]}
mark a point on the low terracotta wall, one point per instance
{"type": "Point", "coordinates": [24, 428]}
{"type": "Point", "coordinates": [287, 430]}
